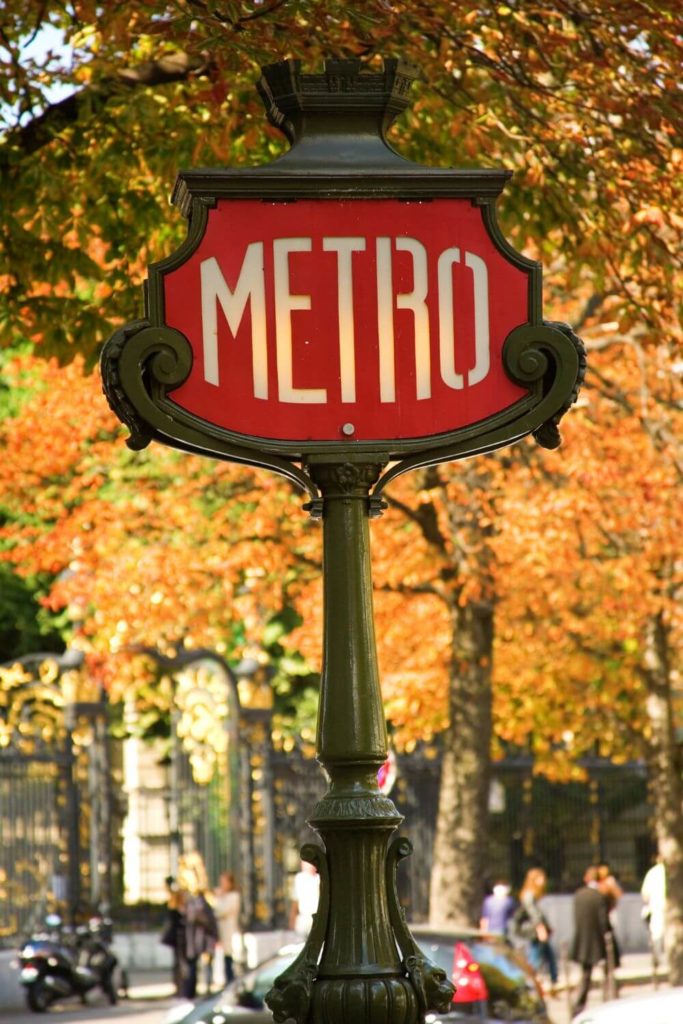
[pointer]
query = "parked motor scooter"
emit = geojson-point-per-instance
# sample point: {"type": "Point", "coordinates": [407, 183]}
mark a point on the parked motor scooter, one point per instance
{"type": "Point", "coordinates": [56, 964]}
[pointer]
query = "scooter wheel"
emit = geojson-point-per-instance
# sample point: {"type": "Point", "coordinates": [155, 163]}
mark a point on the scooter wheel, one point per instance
{"type": "Point", "coordinates": [38, 997]}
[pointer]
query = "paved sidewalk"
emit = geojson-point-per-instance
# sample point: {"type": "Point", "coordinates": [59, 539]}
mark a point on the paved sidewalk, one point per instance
{"type": "Point", "coordinates": [634, 976]}
{"type": "Point", "coordinates": [150, 985]}
{"type": "Point", "coordinates": [635, 970]}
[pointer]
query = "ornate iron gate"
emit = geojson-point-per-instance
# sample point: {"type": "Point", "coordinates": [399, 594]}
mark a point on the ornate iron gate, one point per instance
{"type": "Point", "coordinates": [33, 858]}
{"type": "Point", "coordinates": [55, 793]}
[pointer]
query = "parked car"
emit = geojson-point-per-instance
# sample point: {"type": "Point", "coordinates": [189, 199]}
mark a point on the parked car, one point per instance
{"type": "Point", "coordinates": [665, 1007]}
{"type": "Point", "coordinates": [494, 984]}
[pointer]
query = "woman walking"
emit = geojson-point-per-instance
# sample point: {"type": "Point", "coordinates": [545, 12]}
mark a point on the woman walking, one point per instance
{"type": "Point", "coordinates": [201, 929]}
{"type": "Point", "coordinates": [227, 909]}
{"type": "Point", "coordinates": [534, 926]}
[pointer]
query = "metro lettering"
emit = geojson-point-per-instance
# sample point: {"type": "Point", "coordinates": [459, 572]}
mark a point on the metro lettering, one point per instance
{"type": "Point", "coordinates": [344, 247]}
{"type": "Point", "coordinates": [251, 287]}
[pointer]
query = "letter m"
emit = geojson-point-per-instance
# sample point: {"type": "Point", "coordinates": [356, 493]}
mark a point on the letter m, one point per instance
{"type": "Point", "coordinates": [250, 286]}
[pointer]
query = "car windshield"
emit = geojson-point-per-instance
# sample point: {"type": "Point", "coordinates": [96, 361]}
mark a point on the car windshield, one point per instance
{"type": "Point", "coordinates": [660, 1007]}
{"type": "Point", "coordinates": [248, 991]}
{"type": "Point", "coordinates": [260, 981]}
{"type": "Point", "coordinates": [197, 1014]}
{"type": "Point", "coordinates": [512, 994]}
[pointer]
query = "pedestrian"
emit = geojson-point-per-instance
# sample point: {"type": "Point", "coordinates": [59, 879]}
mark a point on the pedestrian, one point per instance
{"type": "Point", "coordinates": [173, 933]}
{"type": "Point", "coordinates": [497, 909]}
{"type": "Point", "coordinates": [653, 892]}
{"type": "Point", "coordinates": [531, 924]}
{"type": "Point", "coordinates": [201, 929]}
{"type": "Point", "coordinates": [591, 924]}
{"type": "Point", "coordinates": [609, 887]}
{"type": "Point", "coordinates": [227, 903]}
{"type": "Point", "coordinates": [305, 897]}
{"type": "Point", "coordinates": [612, 891]}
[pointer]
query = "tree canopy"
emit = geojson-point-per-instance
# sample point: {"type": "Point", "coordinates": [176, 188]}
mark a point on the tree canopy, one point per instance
{"type": "Point", "coordinates": [583, 103]}
{"type": "Point", "coordinates": [572, 555]}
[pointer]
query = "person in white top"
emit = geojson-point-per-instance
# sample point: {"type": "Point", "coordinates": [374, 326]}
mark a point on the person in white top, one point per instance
{"type": "Point", "coordinates": [227, 910]}
{"type": "Point", "coordinates": [653, 891]}
{"type": "Point", "coordinates": [305, 896]}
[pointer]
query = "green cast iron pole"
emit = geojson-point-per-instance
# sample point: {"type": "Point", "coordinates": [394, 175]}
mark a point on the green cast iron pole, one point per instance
{"type": "Point", "coordinates": [360, 963]}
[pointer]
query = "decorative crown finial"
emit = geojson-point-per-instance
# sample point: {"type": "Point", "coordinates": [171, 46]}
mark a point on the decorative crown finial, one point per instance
{"type": "Point", "coordinates": [344, 86]}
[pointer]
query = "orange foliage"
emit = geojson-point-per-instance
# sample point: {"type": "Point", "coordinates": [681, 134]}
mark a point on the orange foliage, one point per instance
{"type": "Point", "coordinates": [152, 548]}
{"type": "Point", "coordinates": [577, 549]}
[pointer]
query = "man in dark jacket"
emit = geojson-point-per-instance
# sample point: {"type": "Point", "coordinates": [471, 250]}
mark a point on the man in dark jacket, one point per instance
{"type": "Point", "coordinates": [590, 927]}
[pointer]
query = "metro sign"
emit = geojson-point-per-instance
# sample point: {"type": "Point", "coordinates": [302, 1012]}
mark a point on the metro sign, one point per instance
{"type": "Point", "coordinates": [342, 316]}
{"type": "Point", "coordinates": [342, 302]}
{"type": "Point", "coordinates": [324, 320]}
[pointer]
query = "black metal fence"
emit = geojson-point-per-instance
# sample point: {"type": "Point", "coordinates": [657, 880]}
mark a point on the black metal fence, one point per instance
{"type": "Point", "coordinates": [64, 841]}
{"type": "Point", "coordinates": [55, 788]}
{"type": "Point", "coordinates": [562, 827]}
{"type": "Point", "coordinates": [32, 867]}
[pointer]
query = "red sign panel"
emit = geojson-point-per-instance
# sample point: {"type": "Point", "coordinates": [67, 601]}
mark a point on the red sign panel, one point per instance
{"type": "Point", "coordinates": [343, 320]}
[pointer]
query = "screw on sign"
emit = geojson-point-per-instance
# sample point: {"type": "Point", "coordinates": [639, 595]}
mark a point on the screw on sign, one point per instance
{"type": "Point", "coordinates": [342, 316]}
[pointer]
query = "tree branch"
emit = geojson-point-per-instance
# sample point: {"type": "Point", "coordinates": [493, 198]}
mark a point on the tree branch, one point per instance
{"type": "Point", "coordinates": [40, 131]}
{"type": "Point", "coordinates": [235, 23]}
{"type": "Point", "coordinates": [426, 518]}
{"type": "Point", "coordinates": [443, 593]}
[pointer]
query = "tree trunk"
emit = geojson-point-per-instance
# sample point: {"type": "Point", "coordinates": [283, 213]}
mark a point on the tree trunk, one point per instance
{"type": "Point", "coordinates": [461, 834]}
{"type": "Point", "coordinates": [664, 760]}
